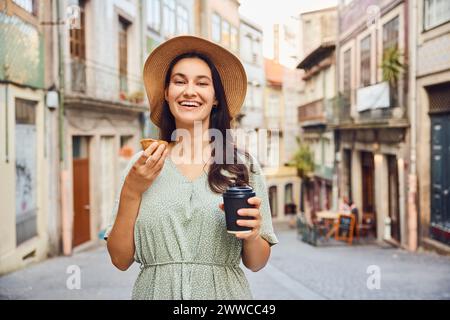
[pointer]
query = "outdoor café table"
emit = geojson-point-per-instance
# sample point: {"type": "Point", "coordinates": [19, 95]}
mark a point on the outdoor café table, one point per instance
{"type": "Point", "coordinates": [330, 218]}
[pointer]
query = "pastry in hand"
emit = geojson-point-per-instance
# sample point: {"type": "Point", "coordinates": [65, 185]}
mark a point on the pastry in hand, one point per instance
{"type": "Point", "coordinates": [145, 143]}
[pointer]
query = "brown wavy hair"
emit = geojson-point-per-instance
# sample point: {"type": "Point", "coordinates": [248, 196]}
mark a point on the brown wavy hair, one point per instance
{"type": "Point", "coordinates": [220, 119]}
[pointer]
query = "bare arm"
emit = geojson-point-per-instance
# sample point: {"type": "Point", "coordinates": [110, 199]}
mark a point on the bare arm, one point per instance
{"type": "Point", "coordinates": [120, 241]}
{"type": "Point", "coordinates": [255, 253]}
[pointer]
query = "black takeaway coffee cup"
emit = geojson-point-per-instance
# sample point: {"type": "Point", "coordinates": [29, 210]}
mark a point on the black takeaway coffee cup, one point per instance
{"type": "Point", "coordinates": [235, 198]}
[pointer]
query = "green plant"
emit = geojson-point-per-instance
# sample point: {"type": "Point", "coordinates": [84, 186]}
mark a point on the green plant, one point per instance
{"type": "Point", "coordinates": [303, 160]}
{"type": "Point", "coordinates": [392, 65]}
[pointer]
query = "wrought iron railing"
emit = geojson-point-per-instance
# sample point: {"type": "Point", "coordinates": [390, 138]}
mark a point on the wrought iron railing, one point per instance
{"type": "Point", "coordinates": [337, 110]}
{"type": "Point", "coordinates": [97, 80]}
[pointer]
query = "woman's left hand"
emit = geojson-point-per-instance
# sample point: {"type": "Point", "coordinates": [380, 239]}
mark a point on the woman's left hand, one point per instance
{"type": "Point", "coordinates": [255, 224]}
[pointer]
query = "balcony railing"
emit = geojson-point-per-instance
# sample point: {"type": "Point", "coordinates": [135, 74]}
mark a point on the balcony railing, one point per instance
{"type": "Point", "coordinates": [78, 75]}
{"type": "Point", "coordinates": [99, 81]}
{"type": "Point", "coordinates": [375, 102]}
{"type": "Point", "coordinates": [311, 113]}
{"type": "Point", "coordinates": [337, 110]}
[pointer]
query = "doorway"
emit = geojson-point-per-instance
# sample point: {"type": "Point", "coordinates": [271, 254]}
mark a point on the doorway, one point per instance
{"type": "Point", "coordinates": [273, 200]}
{"type": "Point", "coordinates": [368, 187]}
{"type": "Point", "coordinates": [440, 177]}
{"type": "Point", "coordinates": [394, 208]}
{"type": "Point", "coordinates": [81, 201]}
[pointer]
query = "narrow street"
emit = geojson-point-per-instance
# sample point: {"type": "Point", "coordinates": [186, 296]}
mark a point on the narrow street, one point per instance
{"type": "Point", "coordinates": [296, 271]}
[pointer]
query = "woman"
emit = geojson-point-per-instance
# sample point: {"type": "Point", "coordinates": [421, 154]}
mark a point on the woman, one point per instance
{"type": "Point", "coordinates": [169, 216]}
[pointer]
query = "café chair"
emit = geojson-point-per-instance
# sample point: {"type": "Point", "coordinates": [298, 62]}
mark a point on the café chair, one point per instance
{"type": "Point", "coordinates": [367, 226]}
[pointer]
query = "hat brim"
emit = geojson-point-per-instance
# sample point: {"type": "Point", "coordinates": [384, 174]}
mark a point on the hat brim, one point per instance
{"type": "Point", "coordinates": [230, 68]}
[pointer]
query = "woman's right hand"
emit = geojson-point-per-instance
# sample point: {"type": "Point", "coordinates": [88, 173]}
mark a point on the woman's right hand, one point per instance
{"type": "Point", "coordinates": [146, 169]}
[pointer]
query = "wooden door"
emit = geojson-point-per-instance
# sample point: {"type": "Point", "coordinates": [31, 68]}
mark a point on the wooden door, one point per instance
{"type": "Point", "coordinates": [368, 168]}
{"type": "Point", "coordinates": [81, 223]}
{"type": "Point", "coordinates": [394, 208]}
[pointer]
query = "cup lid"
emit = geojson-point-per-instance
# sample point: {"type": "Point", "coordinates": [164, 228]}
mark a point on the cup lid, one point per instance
{"type": "Point", "coordinates": [239, 189]}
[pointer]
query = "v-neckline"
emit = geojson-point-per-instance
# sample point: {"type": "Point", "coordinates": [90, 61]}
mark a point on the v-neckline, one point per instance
{"type": "Point", "coordinates": [178, 171]}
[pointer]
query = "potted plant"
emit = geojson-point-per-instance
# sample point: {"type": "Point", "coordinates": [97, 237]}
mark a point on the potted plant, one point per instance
{"type": "Point", "coordinates": [136, 97]}
{"type": "Point", "coordinates": [391, 67]}
{"type": "Point", "coordinates": [303, 161]}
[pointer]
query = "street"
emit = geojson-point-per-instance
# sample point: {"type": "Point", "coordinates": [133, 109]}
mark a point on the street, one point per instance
{"type": "Point", "coordinates": [295, 271]}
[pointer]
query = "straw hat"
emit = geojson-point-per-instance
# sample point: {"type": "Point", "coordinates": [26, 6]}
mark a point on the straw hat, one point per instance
{"type": "Point", "coordinates": [229, 66]}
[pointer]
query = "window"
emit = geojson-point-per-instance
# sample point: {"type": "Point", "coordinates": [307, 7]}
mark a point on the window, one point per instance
{"type": "Point", "coordinates": [276, 42]}
{"type": "Point", "coordinates": [78, 55]}
{"type": "Point", "coordinates": [435, 13]}
{"type": "Point", "coordinates": [247, 48]}
{"type": "Point", "coordinates": [365, 62]}
{"type": "Point", "coordinates": [234, 39]}
{"type": "Point", "coordinates": [257, 96]}
{"type": "Point", "coordinates": [182, 20]}
{"type": "Point", "coordinates": [77, 39]}
{"type": "Point", "coordinates": [273, 105]}
{"type": "Point", "coordinates": [390, 34]}
{"type": "Point", "coordinates": [169, 17]}
{"type": "Point", "coordinates": [347, 78]}
{"type": "Point", "coordinates": [125, 140]}
{"type": "Point", "coordinates": [25, 112]}
{"type": "Point", "coordinates": [390, 40]}
{"type": "Point", "coordinates": [273, 203]}
{"type": "Point", "coordinates": [225, 33]}
{"type": "Point", "coordinates": [30, 6]}
{"type": "Point", "coordinates": [249, 97]}
{"type": "Point", "coordinates": [288, 193]}
{"type": "Point", "coordinates": [216, 23]}
{"type": "Point", "coordinates": [123, 54]}
{"type": "Point", "coordinates": [154, 14]}
{"type": "Point", "coordinates": [255, 51]}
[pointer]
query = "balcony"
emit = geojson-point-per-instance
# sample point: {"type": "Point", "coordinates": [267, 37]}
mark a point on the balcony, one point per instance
{"type": "Point", "coordinates": [90, 84]}
{"type": "Point", "coordinates": [378, 104]}
{"type": "Point", "coordinates": [377, 96]}
{"type": "Point", "coordinates": [78, 75]}
{"type": "Point", "coordinates": [338, 111]}
{"type": "Point", "coordinates": [312, 114]}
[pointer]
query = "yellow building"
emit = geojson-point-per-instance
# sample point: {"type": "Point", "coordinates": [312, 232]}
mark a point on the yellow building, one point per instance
{"type": "Point", "coordinates": [282, 181]}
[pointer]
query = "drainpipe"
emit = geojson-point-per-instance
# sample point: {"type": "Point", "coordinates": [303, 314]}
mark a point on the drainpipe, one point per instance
{"type": "Point", "coordinates": [335, 106]}
{"type": "Point", "coordinates": [6, 123]}
{"type": "Point", "coordinates": [142, 24]}
{"type": "Point", "coordinates": [412, 192]}
{"type": "Point", "coordinates": [64, 174]}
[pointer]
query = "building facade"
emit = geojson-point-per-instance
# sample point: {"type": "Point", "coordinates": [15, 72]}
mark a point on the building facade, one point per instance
{"type": "Point", "coordinates": [252, 115]}
{"type": "Point", "coordinates": [319, 66]}
{"type": "Point", "coordinates": [371, 116]}
{"type": "Point", "coordinates": [282, 181]}
{"type": "Point", "coordinates": [431, 107]}
{"type": "Point", "coordinates": [104, 112]}
{"type": "Point", "coordinates": [218, 21]}
{"type": "Point", "coordinates": [165, 19]}
{"type": "Point", "coordinates": [24, 153]}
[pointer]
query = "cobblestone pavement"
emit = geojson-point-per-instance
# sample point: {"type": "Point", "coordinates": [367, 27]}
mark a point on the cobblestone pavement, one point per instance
{"type": "Point", "coordinates": [296, 271]}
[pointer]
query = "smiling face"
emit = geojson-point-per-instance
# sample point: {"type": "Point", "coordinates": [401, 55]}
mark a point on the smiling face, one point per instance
{"type": "Point", "coordinates": [190, 93]}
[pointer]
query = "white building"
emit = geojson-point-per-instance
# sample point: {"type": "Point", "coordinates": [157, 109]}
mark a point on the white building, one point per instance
{"type": "Point", "coordinates": [251, 53]}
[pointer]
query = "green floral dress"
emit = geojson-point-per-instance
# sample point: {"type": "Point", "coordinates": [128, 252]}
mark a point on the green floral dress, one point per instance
{"type": "Point", "coordinates": [181, 241]}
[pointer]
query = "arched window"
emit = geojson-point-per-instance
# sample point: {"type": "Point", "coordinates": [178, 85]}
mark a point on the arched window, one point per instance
{"type": "Point", "coordinates": [288, 194]}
